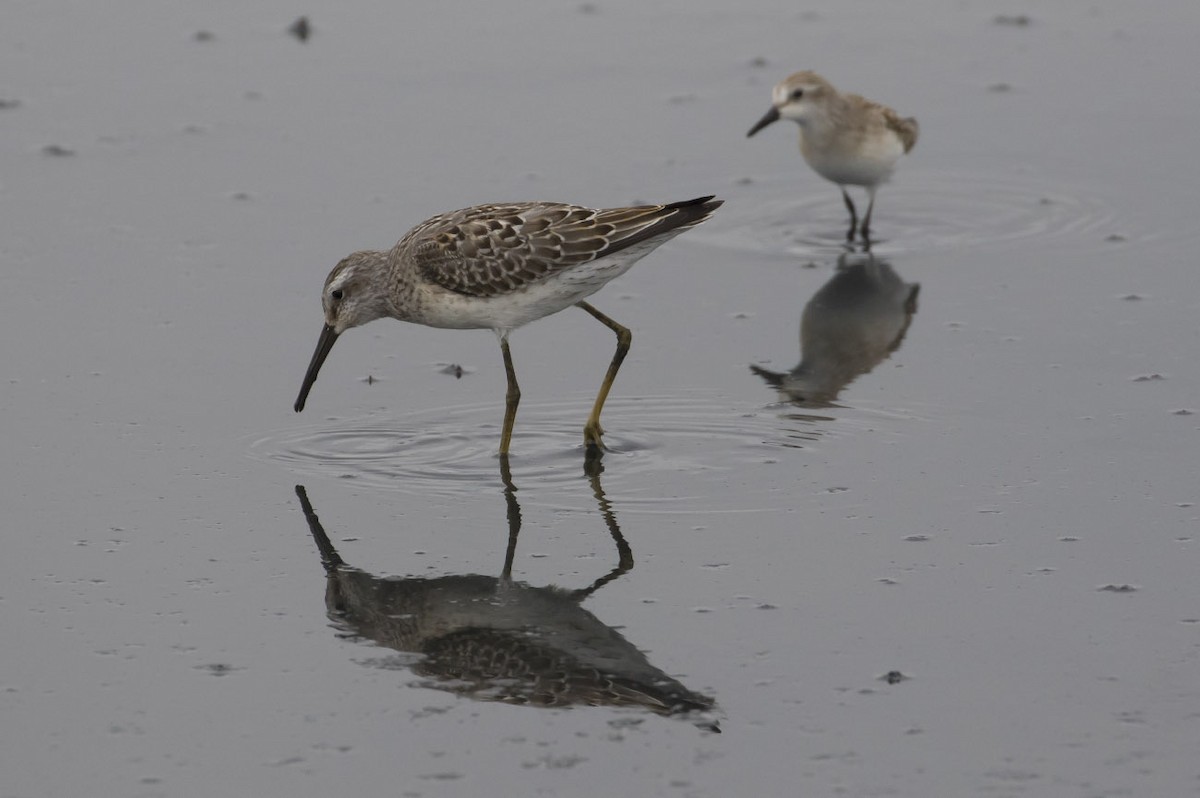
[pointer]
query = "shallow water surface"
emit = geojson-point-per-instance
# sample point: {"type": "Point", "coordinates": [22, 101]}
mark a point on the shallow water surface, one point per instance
{"type": "Point", "coordinates": [887, 541]}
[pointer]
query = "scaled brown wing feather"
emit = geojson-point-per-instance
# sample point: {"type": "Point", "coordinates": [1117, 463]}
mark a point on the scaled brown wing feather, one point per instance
{"type": "Point", "coordinates": [490, 250]}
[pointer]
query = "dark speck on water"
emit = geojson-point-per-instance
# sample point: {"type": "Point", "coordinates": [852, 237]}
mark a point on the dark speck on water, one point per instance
{"type": "Point", "coordinates": [1013, 20]}
{"type": "Point", "coordinates": [894, 677]}
{"type": "Point", "coordinates": [57, 151]}
{"type": "Point", "coordinates": [301, 29]}
{"type": "Point", "coordinates": [218, 668]}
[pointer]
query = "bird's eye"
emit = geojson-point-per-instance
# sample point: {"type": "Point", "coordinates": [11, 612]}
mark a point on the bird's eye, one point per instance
{"type": "Point", "coordinates": [797, 94]}
{"type": "Point", "coordinates": [337, 294]}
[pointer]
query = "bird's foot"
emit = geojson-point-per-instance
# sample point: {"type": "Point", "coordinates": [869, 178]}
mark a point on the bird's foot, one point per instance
{"type": "Point", "coordinates": [592, 434]}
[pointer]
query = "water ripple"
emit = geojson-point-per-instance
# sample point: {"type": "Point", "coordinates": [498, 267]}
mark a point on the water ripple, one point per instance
{"type": "Point", "coordinates": [920, 212]}
{"type": "Point", "coordinates": [446, 450]}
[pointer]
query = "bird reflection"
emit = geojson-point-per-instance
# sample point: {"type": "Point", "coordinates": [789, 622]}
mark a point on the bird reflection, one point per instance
{"type": "Point", "coordinates": [849, 326]}
{"type": "Point", "coordinates": [496, 639]}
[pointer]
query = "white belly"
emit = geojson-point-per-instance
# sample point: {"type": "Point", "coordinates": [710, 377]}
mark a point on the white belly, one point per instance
{"type": "Point", "coordinates": [868, 164]}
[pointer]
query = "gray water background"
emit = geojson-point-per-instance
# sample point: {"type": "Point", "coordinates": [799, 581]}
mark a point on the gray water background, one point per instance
{"type": "Point", "coordinates": [1003, 510]}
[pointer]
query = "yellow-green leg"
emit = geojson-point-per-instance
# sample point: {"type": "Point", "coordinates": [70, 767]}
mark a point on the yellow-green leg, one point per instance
{"type": "Point", "coordinates": [511, 399]}
{"type": "Point", "coordinates": [592, 430]}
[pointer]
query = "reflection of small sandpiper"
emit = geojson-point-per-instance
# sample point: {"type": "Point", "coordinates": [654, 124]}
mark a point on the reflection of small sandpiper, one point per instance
{"type": "Point", "coordinates": [499, 267]}
{"type": "Point", "coordinates": [850, 325]}
{"type": "Point", "coordinates": [845, 138]}
{"type": "Point", "coordinates": [495, 639]}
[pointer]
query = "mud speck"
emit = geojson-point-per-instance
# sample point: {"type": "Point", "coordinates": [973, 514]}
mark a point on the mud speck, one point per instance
{"type": "Point", "coordinates": [301, 29]}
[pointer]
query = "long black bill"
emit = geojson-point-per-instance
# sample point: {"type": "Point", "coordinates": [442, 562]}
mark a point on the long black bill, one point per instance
{"type": "Point", "coordinates": [324, 344]}
{"type": "Point", "coordinates": [768, 118]}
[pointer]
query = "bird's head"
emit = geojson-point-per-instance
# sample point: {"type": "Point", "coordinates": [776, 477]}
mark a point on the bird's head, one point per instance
{"type": "Point", "coordinates": [798, 97]}
{"type": "Point", "coordinates": [355, 293]}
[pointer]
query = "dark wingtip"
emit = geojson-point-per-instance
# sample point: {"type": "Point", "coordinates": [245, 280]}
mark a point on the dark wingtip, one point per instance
{"type": "Point", "coordinates": [700, 208]}
{"type": "Point", "coordinates": [694, 211]}
{"type": "Point", "coordinates": [692, 202]}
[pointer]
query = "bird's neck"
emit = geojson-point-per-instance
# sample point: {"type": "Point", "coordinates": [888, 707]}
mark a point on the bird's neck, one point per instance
{"type": "Point", "coordinates": [819, 127]}
{"type": "Point", "coordinates": [399, 286]}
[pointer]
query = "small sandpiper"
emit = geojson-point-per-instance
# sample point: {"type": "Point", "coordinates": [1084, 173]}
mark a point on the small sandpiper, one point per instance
{"type": "Point", "coordinates": [500, 267]}
{"type": "Point", "coordinates": [845, 138]}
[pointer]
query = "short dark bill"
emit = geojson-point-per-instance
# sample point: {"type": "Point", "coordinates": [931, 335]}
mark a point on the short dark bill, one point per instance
{"type": "Point", "coordinates": [768, 118]}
